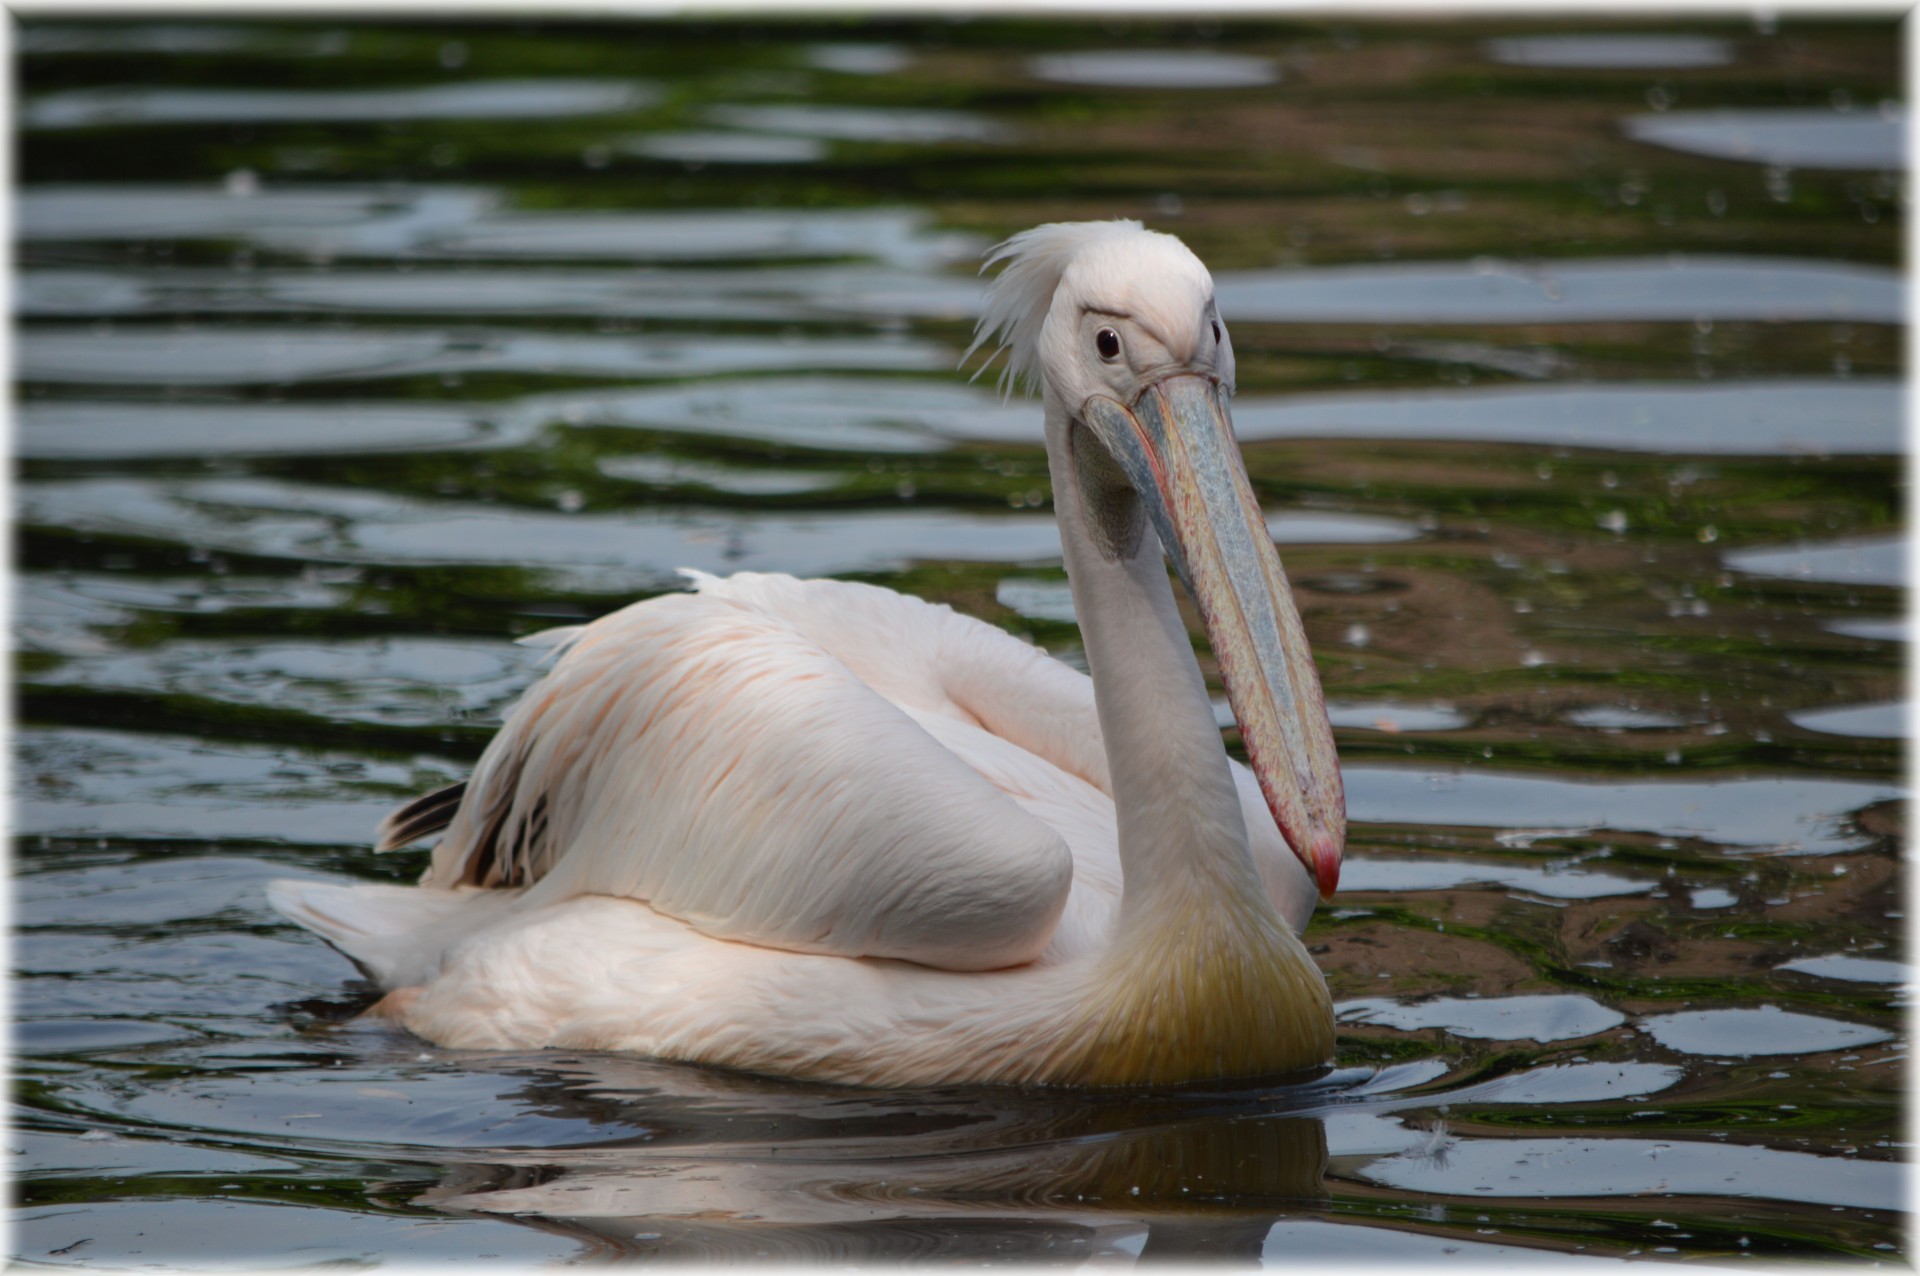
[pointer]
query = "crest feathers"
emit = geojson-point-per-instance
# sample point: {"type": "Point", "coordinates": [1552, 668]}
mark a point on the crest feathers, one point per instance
{"type": "Point", "coordinates": [1018, 301]}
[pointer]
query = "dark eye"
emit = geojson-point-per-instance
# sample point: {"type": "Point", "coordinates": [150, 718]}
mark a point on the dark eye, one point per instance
{"type": "Point", "coordinates": [1216, 332]}
{"type": "Point", "coordinates": [1107, 343]}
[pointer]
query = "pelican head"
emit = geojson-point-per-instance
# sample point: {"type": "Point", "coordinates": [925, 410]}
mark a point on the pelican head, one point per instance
{"type": "Point", "coordinates": [1116, 326]}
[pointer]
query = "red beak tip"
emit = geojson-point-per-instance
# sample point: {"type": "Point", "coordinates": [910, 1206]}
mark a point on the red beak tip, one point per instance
{"type": "Point", "coordinates": [1324, 858]}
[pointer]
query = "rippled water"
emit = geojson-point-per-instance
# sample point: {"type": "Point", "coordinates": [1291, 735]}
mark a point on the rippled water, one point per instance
{"type": "Point", "coordinates": [1571, 377]}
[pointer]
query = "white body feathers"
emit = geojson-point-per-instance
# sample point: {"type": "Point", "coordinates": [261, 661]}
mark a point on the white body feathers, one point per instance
{"type": "Point", "coordinates": [753, 799]}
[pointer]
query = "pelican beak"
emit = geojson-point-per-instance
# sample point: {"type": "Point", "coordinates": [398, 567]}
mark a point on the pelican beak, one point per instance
{"type": "Point", "coordinates": [1176, 445]}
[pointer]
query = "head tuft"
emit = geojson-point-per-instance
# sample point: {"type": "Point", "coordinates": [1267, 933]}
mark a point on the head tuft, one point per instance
{"type": "Point", "coordinates": [1019, 299]}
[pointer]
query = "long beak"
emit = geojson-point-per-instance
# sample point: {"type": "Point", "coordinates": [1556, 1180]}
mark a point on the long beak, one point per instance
{"type": "Point", "coordinates": [1177, 447]}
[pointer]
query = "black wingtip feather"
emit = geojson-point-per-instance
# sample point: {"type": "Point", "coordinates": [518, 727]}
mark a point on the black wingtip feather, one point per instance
{"type": "Point", "coordinates": [424, 815]}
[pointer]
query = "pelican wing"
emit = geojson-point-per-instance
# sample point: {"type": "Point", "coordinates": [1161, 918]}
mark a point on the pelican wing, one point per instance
{"type": "Point", "coordinates": [746, 759]}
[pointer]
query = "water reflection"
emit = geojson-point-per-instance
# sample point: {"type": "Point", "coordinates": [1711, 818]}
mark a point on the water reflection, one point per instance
{"type": "Point", "coordinates": [80, 430]}
{"type": "Point", "coordinates": [1386, 716]}
{"type": "Point", "coordinates": [1489, 290]}
{"type": "Point", "coordinates": [1292, 1241]}
{"type": "Point", "coordinates": [409, 219]}
{"type": "Point", "coordinates": [1376, 873]}
{"type": "Point", "coordinates": [1157, 69]}
{"type": "Point", "coordinates": [1039, 600]}
{"type": "Point", "coordinates": [324, 220]}
{"type": "Point", "coordinates": [61, 614]}
{"type": "Point", "coordinates": [260, 355]}
{"type": "Point", "coordinates": [859, 124]}
{"type": "Point", "coordinates": [1626, 52]}
{"type": "Point", "coordinates": [1851, 969]}
{"type": "Point", "coordinates": [678, 472]}
{"type": "Point", "coordinates": [1635, 1167]}
{"type": "Point", "coordinates": [130, 1233]}
{"type": "Point", "coordinates": [1622, 718]}
{"type": "Point", "coordinates": [820, 413]}
{"type": "Point", "coordinates": [828, 412]}
{"type": "Point", "coordinates": [712, 146]}
{"type": "Point", "coordinates": [1765, 1030]}
{"type": "Point", "coordinates": [636, 549]}
{"type": "Point", "coordinates": [1864, 139]}
{"type": "Point", "coordinates": [1897, 630]}
{"type": "Point", "coordinates": [1541, 1017]}
{"type": "Point", "coordinates": [1867, 561]}
{"type": "Point", "coordinates": [1882, 721]}
{"type": "Point", "coordinates": [478, 100]}
{"type": "Point", "coordinates": [416, 681]}
{"type": "Point", "coordinates": [1782, 417]}
{"type": "Point", "coordinates": [463, 223]}
{"type": "Point", "coordinates": [625, 1157]}
{"type": "Point", "coordinates": [687, 1164]}
{"type": "Point", "coordinates": [1068, 1178]}
{"type": "Point", "coordinates": [710, 235]}
{"type": "Point", "coordinates": [603, 293]}
{"type": "Point", "coordinates": [100, 783]}
{"type": "Point", "coordinates": [1778, 814]}
{"type": "Point", "coordinates": [858, 59]}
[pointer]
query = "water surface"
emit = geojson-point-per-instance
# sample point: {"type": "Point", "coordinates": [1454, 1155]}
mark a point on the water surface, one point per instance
{"type": "Point", "coordinates": [1613, 51]}
{"type": "Point", "coordinates": [1863, 139]}
{"type": "Point", "coordinates": [1570, 382]}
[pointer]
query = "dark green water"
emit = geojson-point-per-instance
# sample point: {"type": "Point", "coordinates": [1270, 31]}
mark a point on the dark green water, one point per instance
{"type": "Point", "coordinates": [1570, 373]}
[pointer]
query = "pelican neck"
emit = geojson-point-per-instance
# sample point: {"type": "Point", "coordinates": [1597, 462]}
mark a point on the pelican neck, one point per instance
{"type": "Point", "coordinates": [1182, 834]}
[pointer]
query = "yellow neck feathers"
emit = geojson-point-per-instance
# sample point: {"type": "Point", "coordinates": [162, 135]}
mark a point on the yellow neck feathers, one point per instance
{"type": "Point", "coordinates": [1198, 993]}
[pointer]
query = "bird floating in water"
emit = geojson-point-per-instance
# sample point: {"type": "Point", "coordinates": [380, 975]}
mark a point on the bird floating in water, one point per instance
{"type": "Point", "coordinates": [819, 829]}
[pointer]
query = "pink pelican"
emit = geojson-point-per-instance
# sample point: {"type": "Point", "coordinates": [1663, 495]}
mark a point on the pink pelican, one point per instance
{"type": "Point", "coordinates": [823, 830]}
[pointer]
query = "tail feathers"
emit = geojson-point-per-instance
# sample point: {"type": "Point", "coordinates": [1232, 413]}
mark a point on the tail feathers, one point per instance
{"type": "Point", "coordinates": [419, 818]}
{"type": "Point", "coordinates": [394, 933]}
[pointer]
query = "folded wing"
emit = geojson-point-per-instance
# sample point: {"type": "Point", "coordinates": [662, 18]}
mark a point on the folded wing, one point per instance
{"type": "Point", "coordinates": [707, 754]}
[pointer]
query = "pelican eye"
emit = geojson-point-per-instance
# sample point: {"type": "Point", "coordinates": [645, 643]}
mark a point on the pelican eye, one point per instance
{"type": "Point", "coordinates": [1107, 342]}
{"type": "Point", "coordinates": [1216, 332]}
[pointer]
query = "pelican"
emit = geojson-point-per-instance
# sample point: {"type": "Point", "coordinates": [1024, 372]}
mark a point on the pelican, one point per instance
{"type": "Point", "coordinates": [818, 829]}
